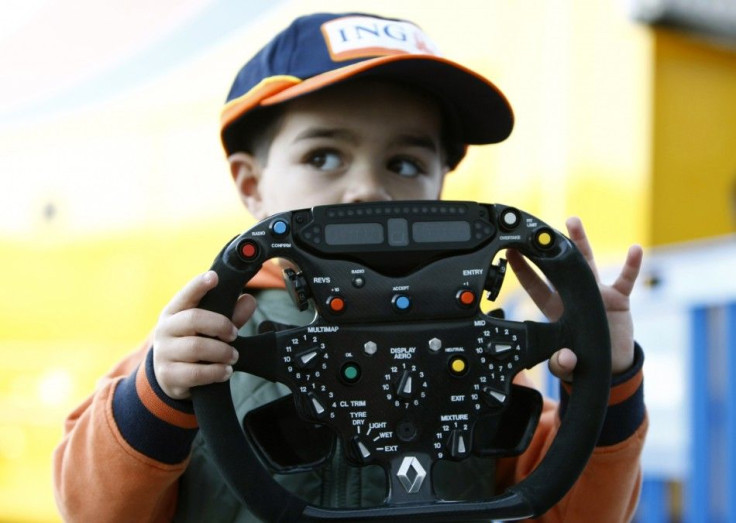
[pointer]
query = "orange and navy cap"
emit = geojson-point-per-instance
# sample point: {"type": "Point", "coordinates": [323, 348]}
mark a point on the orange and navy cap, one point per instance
{"type": "Point", "coordinates": [324, 49]}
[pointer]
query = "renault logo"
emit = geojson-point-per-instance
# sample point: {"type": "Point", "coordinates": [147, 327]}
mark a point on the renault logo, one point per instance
{"type": "Point", "coordinates": [411, 474]}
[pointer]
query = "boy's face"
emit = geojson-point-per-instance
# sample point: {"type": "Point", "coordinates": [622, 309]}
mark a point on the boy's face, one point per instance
{"type": "Point", "coordinates": [363, 141]}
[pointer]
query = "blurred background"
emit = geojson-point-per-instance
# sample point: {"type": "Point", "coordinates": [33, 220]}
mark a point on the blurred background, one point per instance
{"type": "Point", "coordinates": [114, 192]}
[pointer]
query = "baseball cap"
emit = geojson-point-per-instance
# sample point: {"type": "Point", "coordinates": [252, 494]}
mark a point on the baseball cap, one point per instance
{"type": "Point", "coordinates": [324, 49]}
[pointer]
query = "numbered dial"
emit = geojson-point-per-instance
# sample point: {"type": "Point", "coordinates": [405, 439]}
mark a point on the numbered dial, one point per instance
{"type": "Point", "coordinates": [374, 439]}
{"type": "Point", "coordinates": [405, 385]}
{"type": "Point", "coordinates": [452, 440]}
{"type": "Point", "coordinates": [307, 360]}
{"type": "Point", "coordinates": [499, 348]}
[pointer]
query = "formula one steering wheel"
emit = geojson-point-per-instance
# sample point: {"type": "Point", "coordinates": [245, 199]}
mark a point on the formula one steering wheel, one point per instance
{"type": "Point", "coordinates": [399, 341]}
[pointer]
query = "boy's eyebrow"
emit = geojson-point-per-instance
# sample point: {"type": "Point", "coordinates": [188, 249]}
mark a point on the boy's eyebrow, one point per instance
{"type": "Point", "coordinates": [326, 132]}
{"type": "Point", "coordinates": [411, 139]}
{"type": "Point", "coordinates": [417, 140]}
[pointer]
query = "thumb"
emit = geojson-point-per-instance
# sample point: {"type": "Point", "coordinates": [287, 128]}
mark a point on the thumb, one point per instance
{"type": "Point", "coordinates": [244, 308]}
{"type": "Point", "coordinates": [562, 363]}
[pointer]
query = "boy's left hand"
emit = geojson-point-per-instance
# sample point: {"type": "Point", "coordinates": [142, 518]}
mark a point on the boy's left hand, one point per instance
{"type": "Point", "coordinates": [615, 300]}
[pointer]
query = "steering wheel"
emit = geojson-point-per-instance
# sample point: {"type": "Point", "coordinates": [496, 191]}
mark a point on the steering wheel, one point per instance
{"type": "Point", "coordinates": [399, 341]}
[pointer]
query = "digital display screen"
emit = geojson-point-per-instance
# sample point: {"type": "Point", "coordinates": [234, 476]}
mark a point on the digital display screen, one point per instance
{"type": "Point", "coordinates": [396, 233]}
{"type": "Point", "coordinates": [354, 234]}
{"type": "Point", "coordinates": [430, 232]}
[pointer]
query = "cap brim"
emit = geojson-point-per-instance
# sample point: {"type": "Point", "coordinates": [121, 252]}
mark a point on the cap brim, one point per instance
{"type": "Point", "coordinates": [484, 114]}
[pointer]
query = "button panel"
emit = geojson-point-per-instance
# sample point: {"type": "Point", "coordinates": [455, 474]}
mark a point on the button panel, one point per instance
{"type": "Point", "coordinates": [399, 357]}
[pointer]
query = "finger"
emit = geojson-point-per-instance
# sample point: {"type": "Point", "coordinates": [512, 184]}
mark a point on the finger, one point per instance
{"type": "Point", "coordinates": [181, 377]}
{"type": "Point", "coordinates": [533, 284]}
{"type": "Point", "coordinates": [192, 293]}
{"type": "Point", "coordinates": [196, 349]}
{"type": "Point", "coordinates": [193, 322]}
{"type": "Point", "coordinates": [562, 364]}
{"type": "Point", "coordinates": [244, 308]}
{"type": "Point", "coordinates": [630, 271]}
{"type": "Point", "coordinates": [577, 234]}
{"type": "Point", "coordinates": [536, 287]}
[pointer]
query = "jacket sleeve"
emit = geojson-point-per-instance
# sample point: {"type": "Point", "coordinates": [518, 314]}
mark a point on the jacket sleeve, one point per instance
{"type": "Point", "coordinates": [126, 446]}
{"type": "Point", "coordinates": [113, 463]}
{"type": "Point", "coordinates": [608, 489]}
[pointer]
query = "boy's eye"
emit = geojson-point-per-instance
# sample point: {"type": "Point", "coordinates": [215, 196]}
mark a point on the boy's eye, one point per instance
{"type": "Point", "coordinates": [325, 160]}
{"type": "Point", "coordinates": [405, 167]}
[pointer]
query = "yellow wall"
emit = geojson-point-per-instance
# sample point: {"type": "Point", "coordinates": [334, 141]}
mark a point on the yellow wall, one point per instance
{"type": "Point", "coordinates": [69, 311]}
{"type": "Point", "coordinates": [694, 139]}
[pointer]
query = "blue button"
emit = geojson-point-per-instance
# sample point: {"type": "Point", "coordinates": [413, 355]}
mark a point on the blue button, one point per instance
{"type": "Point", "coordinates": [279, 227]}
{"type": "Point", "coordinates": [401, 302]}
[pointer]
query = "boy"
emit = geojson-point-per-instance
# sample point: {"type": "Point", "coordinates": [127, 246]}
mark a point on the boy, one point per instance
{"type": "Point", "coordinates": [378, 116]}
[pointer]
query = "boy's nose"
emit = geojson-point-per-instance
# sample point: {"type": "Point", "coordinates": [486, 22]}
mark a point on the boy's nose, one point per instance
{"type": "Point", "coordinates": [366, 186]}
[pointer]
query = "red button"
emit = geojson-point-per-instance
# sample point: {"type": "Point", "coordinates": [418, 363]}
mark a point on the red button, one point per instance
{"type": "Point", "coordinates": [466, 298]}
{"type": "Point", "coordinates": [249, 250]}
{"type": "Point", "coordinates": [336, 304]}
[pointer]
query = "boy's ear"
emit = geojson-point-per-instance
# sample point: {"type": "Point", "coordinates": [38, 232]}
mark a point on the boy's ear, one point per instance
{"type": "Point", "coordinates": [246, 173]}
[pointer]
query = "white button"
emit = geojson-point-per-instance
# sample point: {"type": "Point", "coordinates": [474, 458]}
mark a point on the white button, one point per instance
{"type": "Point", "coordinates": [370, 348]}
{"type": "Point", "coordinates": [509, 218]}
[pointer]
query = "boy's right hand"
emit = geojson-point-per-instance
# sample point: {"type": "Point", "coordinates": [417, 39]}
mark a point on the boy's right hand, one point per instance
{"type": "Point", "coordinates": [191, 345]}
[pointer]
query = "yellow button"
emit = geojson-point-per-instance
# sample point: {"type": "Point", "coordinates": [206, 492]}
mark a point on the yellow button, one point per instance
{"type": "Point", "coordinates": [457, 365]}
{"type": "Point", "coordinates": [544, 238]}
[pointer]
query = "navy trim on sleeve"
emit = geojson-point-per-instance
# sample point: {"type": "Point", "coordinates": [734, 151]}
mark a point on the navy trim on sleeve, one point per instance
{"type": "Point", "coordinates": [181, 405]}
{"type": "Point", "coordinates": [624, 418]}
{"type": "Point", "coordinates": [145, 432]}
{"type": "Point", "coordinates": [618, 379]}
